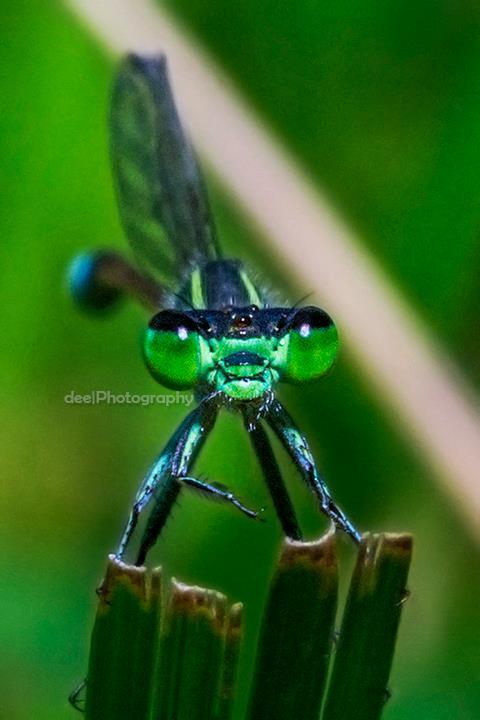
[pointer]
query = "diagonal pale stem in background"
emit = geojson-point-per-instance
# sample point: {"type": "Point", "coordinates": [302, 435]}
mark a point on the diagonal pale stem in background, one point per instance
{"type": "Point", "coordinates": [404, 364]}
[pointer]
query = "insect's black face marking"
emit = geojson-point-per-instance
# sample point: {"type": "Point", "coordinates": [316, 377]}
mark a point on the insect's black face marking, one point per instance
{"type": "Point", "coordinates": [245, 322]}
{"type": "Point", "coordinates": [231, 322]}
{"type": "Point", "coordinates": [310, 316]}
{"type": "Point", "coordinates": [171, 320]}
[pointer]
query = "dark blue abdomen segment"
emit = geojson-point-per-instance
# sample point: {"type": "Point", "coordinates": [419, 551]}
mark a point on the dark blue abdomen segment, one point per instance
{"type": "Point", "coordinates": [85, 285]}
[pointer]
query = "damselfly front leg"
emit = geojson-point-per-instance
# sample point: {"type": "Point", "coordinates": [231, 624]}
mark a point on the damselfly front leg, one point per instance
{"type": "Point", "coordinates": [297, 447]}
{"type": "Point", "coordinates": [170, 472]}
{"type": "Point", "coordinates": [161, 482]}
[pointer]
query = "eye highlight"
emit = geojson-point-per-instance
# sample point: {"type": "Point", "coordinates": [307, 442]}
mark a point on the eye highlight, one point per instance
{"type": "Point", "coordinates": [172, 349]}
{"type": "Point", "coordinates": [308, 347]}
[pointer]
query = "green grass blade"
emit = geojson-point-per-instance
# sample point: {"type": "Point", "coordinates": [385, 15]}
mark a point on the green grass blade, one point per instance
{"type": "Point", "coordinates": [147, 647]}
{"type": "Point", "coordinates": [358, 687]}
{"type": "Point", "coordinates": [192, 643]}
{"type": "Point", "coordinates": [123, 644]}
{"type": "Point", "coordinates": [231, 652]}
{"type": "Point", "coordinates": [296, 635]}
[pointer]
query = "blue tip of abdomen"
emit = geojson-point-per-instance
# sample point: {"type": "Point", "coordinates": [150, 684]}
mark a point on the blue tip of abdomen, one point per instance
{"type": "Point", "coordinates": [85, 282]}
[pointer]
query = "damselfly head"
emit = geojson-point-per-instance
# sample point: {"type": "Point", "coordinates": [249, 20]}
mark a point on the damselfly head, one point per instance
{"type": "Point", "coordinates": [241, 352]}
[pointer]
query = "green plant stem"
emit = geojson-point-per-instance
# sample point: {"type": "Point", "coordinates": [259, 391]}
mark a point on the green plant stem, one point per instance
{"type": "Point", "coordinates": [296, 635]}
{"type": "Point", "coordinates": [182, 665]}
{"type": "Point", "coordinates": [233, 636]}
{"type": "Point", "coordinates": [188, 674]}
{"type": "Point", "coordinates": [123, 644]}
{"type": "Point", "coordinates": [358, 687]}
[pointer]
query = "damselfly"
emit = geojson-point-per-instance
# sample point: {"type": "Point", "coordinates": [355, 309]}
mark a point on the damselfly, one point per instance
{"type": "Point", "coordinates": [214, 330]}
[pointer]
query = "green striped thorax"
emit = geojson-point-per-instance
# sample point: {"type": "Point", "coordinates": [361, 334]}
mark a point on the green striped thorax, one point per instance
{"type": "Point", "coordinates": [229, 341]}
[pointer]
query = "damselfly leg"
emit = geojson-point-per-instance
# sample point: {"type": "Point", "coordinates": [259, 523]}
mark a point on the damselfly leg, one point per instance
{"type": "Point", "coordinates": [169, 473]}
{"type": "Point", "coordinates": [273, 479]}
{"type": "Point", "coordinates": [297, 447]}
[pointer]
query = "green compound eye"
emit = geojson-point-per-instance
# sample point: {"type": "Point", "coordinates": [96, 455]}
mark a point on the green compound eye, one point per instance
{"type": "Point", "coordinates": [309, 346]}
{"type": "Point", "coordinates": [172, 349]}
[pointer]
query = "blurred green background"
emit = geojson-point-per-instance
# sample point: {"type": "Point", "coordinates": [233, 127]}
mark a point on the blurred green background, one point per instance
{"type": "Point", "coordinates": [380, 103]}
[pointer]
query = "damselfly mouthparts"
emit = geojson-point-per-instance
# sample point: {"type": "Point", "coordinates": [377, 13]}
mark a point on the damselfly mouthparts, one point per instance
{"type": "Point", "coordinates": [214, 330]}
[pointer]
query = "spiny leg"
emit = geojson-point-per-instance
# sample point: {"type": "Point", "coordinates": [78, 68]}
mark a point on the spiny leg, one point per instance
{"type": "Point", "coordinates": [186, 445]}
{"type": "Point", "coordinates": [273, 478]}
{"type": "Point", "coordinates": [297, 447]}
{"type": "Point", "coordinates": [219, 493]}
{"type": "Point", "coordinates": [157, 473]}
{"type": "Point", "coordinates": [169, 490]}
{"type": "Point", "coordinates": [161, 478]}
